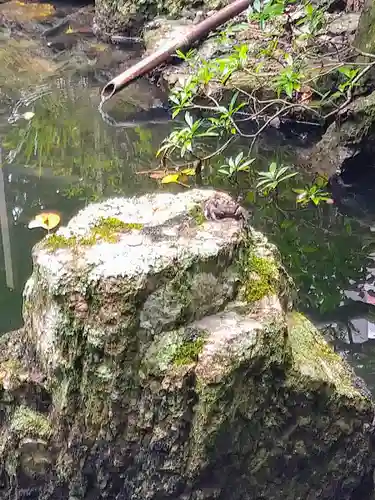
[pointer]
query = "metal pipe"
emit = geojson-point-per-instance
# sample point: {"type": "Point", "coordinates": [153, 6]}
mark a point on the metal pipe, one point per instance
{"type": "Point", "coordinates": [5, 235]}
{"type": "Point", "coordinates": [153, 60]}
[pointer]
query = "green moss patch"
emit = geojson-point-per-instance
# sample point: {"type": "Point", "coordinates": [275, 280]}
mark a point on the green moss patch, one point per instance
{"type": "Point", "coordinates": [27, 422]}
{"type": "Point", "coordinates": [314, 359]}
{"type": "Point", "coordinates": [261, 277]}
{"type": "Point", "coordinates": [198, 215]}
{"type": "Point", "coordinates": [107, 229]}
{"type": "Point", "coordinates": [188, 352]}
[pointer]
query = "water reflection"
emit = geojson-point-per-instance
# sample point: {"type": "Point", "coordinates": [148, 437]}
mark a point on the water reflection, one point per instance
{"type": "Point", "coordinates": [59, 153]}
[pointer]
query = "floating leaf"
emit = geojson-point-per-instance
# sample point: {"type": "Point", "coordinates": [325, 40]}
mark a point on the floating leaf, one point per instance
{"type": "Point", "coordinates": [168, 179]}
{"type": "Point", "coordinates": [46, 220]}
{"type": "Point", "coordinates": [28, 115]}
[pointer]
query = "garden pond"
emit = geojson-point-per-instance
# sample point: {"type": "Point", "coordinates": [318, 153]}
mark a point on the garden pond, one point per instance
{"type": "Point", "coordinates": [60, 152]}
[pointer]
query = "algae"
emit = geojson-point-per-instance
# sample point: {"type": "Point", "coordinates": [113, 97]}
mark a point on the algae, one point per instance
{"type": "Point", "coordinates": [106, 229]}
{"type": "Point", "coordinates": [198, 215]}
{"type": "Point", "coordinates": [188, 352]}
{"type": "Point", "coordinates": [313, 358]}
{"type": "Point", "coordinates": [27, 422]}
{"type": "Point", "coordinates": [261, 277]}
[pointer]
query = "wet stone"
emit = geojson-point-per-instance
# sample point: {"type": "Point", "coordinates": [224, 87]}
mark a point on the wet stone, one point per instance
{"type": "Point", "coordinates": [174, 365]}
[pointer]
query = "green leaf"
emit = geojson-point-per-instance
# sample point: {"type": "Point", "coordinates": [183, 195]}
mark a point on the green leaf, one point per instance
{"type": "Point", "coordinates": [289, 87]}
{"type": "Point", "coordinates": [238, 158]}
{"type": "Point", "coordinates": [189, 119]}
{"type": "Point", "coordinates": [223, 171]}
{"type": "Point", "coordinates": [272, 168]}
{"type": "Point", "coordinates": [286, 223]}
{"type": "Point", "coordinates": [288, 59]}
{"type": "Point", "coordinates": [257, 6]}
{"type": "Point", "coordinates": [288, 176]}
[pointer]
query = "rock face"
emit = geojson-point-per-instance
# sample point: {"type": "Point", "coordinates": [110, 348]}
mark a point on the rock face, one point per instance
{"type": "Point", "coordinates": [349, 141]}
{"type": "Point", "coordinates": [125, 16]}
{"type": "Point", "coordinates": [160, 360]}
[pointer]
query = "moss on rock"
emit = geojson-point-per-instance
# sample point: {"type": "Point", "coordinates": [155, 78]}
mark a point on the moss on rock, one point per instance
{"type": "Point", "coordinates": [198, 215]}
{"type": "Point", "coordinates": [313, 359]}
{"type": "Point", "coordinates": [26, 422]}
{"type": "Point", "coordinates": [188, 352]}
{"type": "Point", "coordinates": [262, 278]}
{"type": "Point", "coordinates": [107, 229]}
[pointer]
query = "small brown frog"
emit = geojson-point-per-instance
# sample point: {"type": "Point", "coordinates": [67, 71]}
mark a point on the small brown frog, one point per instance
{"type": "Point", "coordinates": [223, 206]}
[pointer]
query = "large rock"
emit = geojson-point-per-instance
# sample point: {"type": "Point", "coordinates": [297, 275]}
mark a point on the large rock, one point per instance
{"type": "Point", "coordinates": [160, 360]}
{"type": "Point", "coordinates": [126, 16]}
{"type": "Point", "coordinates": [349, 140]}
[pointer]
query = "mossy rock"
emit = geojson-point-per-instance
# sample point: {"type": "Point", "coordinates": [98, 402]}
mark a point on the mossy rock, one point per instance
{"type": "Point", "coordinates": [26, 422]}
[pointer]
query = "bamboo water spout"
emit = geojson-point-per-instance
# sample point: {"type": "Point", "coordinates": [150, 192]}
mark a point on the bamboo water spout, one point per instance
{"type": "Point", "coordinates": [153, 60]}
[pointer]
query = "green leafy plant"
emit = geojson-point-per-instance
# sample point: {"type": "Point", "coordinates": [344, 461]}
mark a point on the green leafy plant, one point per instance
{"type": "Point", "coordinates": [312, 194]}
{"type": "Point", "coordinates": [235, 165]}
{"type": "Point", "coordinates": [270, 179]}
{"type": "Point", "coordinates": [181, 97]}
{"type": "Point", "coordinates": [182, 139]}
{"type": "Point", "coordinates": [225, 121]}
{"type": "Point", "coordinates": [264, 11]}
{"type": "Point", "coordinates": [289, 79]}
{"type": "Point", "coordinates": [312, 21]}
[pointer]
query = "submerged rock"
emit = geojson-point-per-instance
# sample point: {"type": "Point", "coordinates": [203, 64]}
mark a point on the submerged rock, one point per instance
{"type": "Point", "coordinates": [168, 365]}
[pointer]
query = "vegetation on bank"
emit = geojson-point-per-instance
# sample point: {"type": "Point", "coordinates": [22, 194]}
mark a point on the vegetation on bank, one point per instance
{"type": "Point", "coordinates": [293, 74]}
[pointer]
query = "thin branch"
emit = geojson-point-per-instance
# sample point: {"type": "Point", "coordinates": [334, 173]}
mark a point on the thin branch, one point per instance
{"type": "Point", "coordinates": [355, 80]}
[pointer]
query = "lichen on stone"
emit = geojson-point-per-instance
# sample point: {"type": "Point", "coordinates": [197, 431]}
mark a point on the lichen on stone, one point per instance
{"type": "Point", "coordinates": [261, 277]}
{"type": "Point", "coordinates": [313, 359]}
{"type": "Point", "coordinates": [106, 229]}
{"type": "Point", "coordinates": [26, 422]}
{"type": "Point", "coordinates": [12, 373]}
{"type": "Point", "coordinates": [197, 214]}
{"type": "Point", "coordinates": [188, 352]}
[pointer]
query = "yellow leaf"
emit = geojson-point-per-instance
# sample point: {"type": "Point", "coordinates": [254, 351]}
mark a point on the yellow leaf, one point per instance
{"type": "Point", "coordinates": [168, 179]}
{"type": "Point", "coordinates": [46, 220]}
{"type": "Point", "coordinates": [188, 171]}
{"type": "Point", "coordinates": [69, 30]}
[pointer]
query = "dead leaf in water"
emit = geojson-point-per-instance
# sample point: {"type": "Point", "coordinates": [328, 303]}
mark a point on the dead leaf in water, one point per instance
{"type": "Point", "coordinates": [188, 171]}
{"type": "Point", "coordinates": [168, 179]}
{"type": "Point", "coordinates": [45, 220]}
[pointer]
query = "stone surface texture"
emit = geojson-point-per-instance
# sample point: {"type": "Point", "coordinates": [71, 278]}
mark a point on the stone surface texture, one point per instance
{"type": "Point", "coordinates": [166, 363]}
{"type": "Point", "coordinates": [125, 16]}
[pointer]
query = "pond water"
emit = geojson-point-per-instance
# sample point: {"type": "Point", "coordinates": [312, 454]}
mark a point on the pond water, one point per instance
{"type": "Point", "coordinates": [60, 153]}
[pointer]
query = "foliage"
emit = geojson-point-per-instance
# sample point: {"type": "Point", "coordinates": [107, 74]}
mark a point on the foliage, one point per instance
{"type": "Point", "coordinates": [314, 194]}
{"type": "Point", "coordinates": [290, 60]}
{"type": "Point", "coordinates": [235, 165]}
{"type": "Point", "coordinates": [182, 139]}
{"type": "Point", "coordinates": [264, 11]}
{"type": "Point", "coordinates": [321, 249]}
{"type": "Point", "coordinates": [270, 179]}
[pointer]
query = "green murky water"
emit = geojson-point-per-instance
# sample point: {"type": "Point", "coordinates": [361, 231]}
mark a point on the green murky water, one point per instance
{"type": "Point", "coordinates": [69, 154]}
